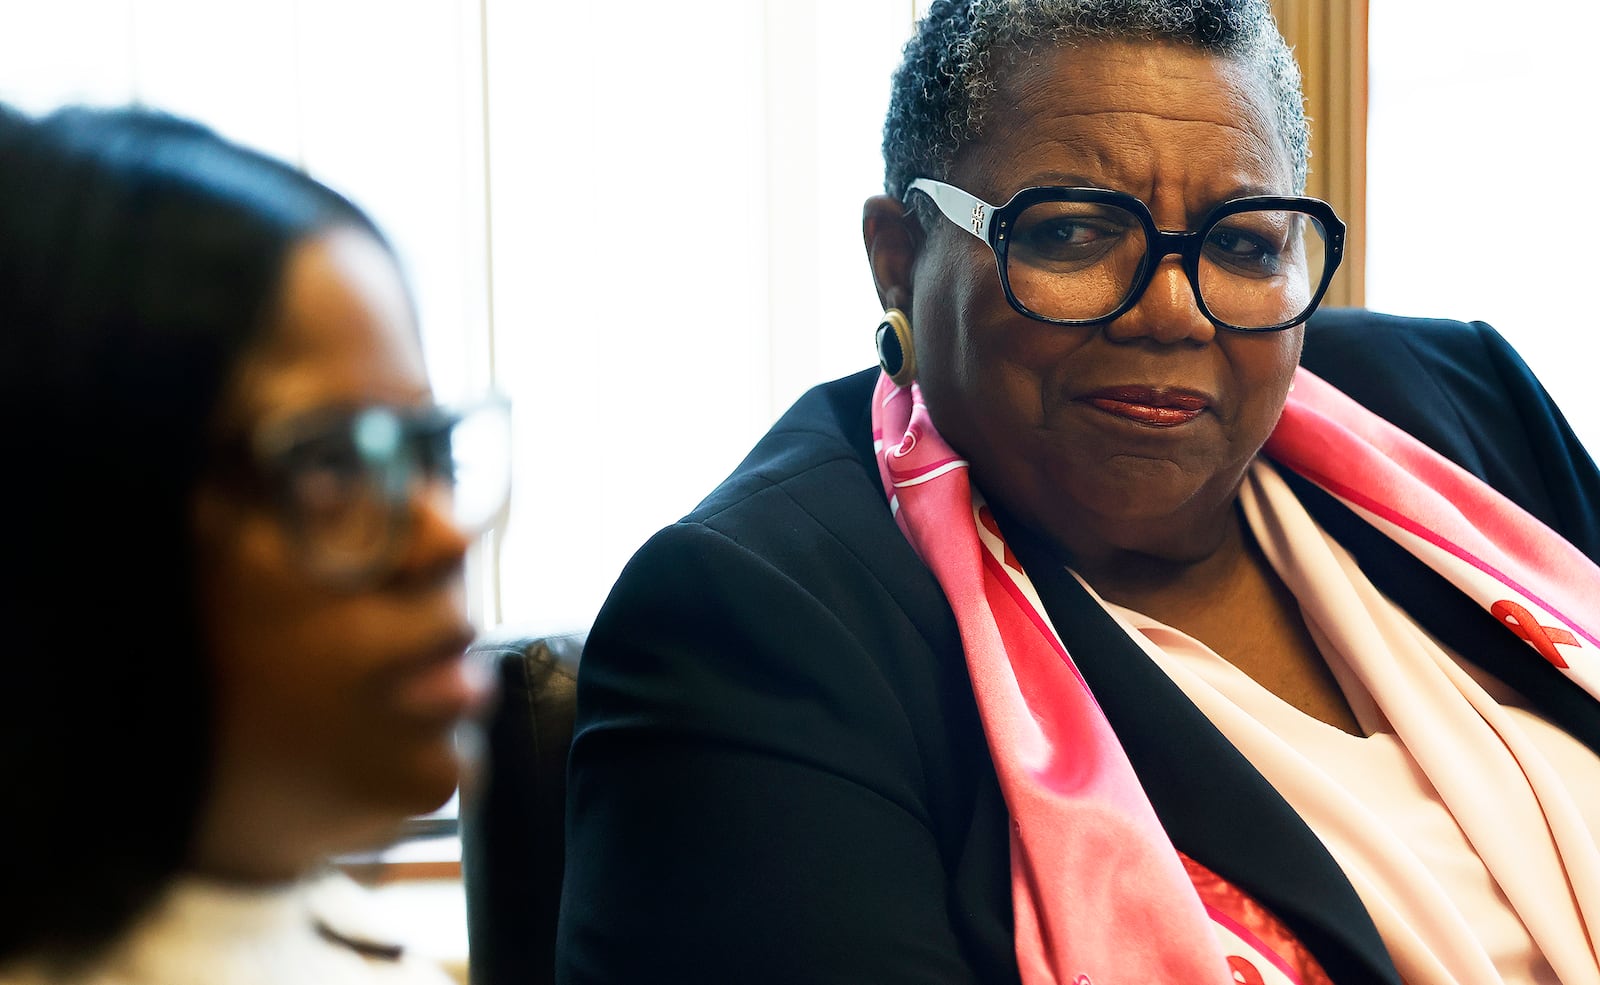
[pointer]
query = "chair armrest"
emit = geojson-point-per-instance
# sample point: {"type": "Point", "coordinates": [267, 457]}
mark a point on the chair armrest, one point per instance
{"type": "Point", "coordinates": [513, 812]}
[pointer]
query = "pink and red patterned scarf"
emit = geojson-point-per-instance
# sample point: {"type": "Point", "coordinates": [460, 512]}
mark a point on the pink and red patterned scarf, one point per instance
{"type": "Point", "coordinates": [1099, 892]}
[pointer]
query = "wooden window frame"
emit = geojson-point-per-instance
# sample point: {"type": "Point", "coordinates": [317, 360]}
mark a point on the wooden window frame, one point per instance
{"type": "Point", "coordinates": [1329, 38]}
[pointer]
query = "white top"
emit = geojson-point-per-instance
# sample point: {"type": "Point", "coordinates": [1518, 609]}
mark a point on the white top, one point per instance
{"type": "Point", "coordinates": [1466, 822]}
{"type": "Point", "coordinates": [207, 933]}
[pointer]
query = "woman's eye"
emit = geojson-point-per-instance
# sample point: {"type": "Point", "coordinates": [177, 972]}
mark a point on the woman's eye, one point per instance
{"type": "Point", "coordinates": [328, 457]}
{"type": "Point", "coordinates": [1068, 239]}
{"type": "Point", "coordinates": [1235, 243]}
{"type": "Point", "coordinates": [1244, 251]}
{"type": "Point", "coordinates": [1066, 233]}
{"type": "Point", "coordinates": [323, 470]}
{"type": "Point", "coordinates": [1057, 235]}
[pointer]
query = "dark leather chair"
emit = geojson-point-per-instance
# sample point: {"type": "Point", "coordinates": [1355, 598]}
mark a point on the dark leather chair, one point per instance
{"type": "Point", "coordinates": [513, 814]}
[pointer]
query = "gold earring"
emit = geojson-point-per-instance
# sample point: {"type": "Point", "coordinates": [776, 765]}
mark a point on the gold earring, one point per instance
{"type": "Point", "coordinates": [895, 353]}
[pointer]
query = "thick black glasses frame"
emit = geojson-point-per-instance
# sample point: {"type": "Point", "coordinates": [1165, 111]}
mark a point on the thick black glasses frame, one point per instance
{"type": "Point", "coordinates": [992, 224]}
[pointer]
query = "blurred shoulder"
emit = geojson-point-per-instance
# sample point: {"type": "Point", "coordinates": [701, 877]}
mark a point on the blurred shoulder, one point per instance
{"type": "Point", "coordinates": [204, 932]}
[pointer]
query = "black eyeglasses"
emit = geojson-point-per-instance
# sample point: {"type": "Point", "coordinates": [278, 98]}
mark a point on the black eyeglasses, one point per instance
{"type": "Point", "coordinates": [344, 478]}
{"type": "Point", "coordinates": [1083, 256]}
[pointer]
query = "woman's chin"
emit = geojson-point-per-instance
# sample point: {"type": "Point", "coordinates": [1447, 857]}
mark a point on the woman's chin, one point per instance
{"type": "Point", "coordinates": [435, 779]}
{"type": "Point", "coordinates": [417, 782]}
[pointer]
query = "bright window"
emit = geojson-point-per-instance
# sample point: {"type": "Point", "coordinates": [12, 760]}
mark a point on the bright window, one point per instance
{"type": "Point", "coordinates": [677, 232]}
{"type": "Point", "coordinates": [1480, 198]}
{"type": "Point", "coordinates": [646, 227]}
{"type": "Point", "coordinates": [641, 221]}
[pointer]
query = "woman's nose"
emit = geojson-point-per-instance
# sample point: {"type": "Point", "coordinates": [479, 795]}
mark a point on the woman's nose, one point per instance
{"type": "Point", "coordinates": [1167, 312]}
{"type": "Point", "coordinates": [434, 538]}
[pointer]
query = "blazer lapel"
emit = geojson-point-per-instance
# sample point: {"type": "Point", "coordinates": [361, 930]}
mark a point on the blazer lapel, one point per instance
{"type": "Point", "coordinates": [1215, 806]}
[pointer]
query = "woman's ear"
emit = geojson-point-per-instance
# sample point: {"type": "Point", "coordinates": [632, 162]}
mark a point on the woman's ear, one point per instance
{"type": "Point", "coordinates": [892, 238]}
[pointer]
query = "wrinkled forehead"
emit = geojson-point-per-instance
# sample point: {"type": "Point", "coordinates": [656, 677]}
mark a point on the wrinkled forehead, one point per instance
{"type": "Point", "coordinates": [1129, 115]}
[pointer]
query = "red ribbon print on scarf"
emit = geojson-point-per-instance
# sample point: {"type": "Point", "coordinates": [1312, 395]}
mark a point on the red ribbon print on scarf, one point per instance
{"type": "Point", "coordinates": [1244, 972]}
{"type": "Point", "coordinates": [1544, 638]}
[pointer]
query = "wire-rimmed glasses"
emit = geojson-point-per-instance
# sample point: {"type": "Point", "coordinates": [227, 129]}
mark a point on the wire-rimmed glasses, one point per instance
{"type": "Point", "coordinates": [1083, 256]}
{"type": "Point", "coordinates": [344, 478]}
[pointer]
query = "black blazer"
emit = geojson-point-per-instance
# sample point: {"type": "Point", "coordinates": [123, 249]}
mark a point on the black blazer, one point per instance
{"type": "Point", "coordinates": [779, 774]}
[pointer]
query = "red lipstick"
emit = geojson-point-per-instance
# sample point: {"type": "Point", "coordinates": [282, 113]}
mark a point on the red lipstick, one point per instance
{"type": "Point", "coordinates": [1150, 406]}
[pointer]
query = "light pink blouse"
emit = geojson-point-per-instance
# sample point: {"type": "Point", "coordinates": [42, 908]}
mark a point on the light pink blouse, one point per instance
{"type": "Point", "coordinates": [1466, 822]}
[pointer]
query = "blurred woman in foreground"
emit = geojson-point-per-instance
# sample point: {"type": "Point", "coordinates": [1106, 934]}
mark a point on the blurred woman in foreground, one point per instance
{"type": "Point", "coordinates": [233, 585]}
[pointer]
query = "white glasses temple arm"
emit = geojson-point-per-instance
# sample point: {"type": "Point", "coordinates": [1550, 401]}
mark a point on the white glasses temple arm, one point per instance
{"type": "Point", "coordinates": [969, 212]}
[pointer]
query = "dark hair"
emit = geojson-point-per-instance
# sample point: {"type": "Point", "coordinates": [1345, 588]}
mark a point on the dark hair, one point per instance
{"type": "Point", "coordinates": [140, 258]}
{"type": "Point", "coordinates": [941, 89]}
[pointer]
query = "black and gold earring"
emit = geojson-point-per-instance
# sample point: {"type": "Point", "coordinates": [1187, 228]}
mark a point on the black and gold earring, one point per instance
{"type": "Point", "coordinates": [895, 354]}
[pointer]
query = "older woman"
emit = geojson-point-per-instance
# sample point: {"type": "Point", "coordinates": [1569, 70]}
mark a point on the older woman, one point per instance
{"type": "Point", "coordinates": [1095, 640]}
{"type": "Point", "coordinates": [234, 591]}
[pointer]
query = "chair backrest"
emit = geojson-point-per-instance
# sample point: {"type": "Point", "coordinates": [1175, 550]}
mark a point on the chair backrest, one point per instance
{"type": "Point", "coordinates": [513, 813]}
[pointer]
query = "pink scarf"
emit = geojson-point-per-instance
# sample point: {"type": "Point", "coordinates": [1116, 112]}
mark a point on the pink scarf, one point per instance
{"type": "Point", "coordinates": [1100, 894]}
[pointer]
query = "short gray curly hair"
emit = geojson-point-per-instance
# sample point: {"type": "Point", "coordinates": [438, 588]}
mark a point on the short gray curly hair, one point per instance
{"type": "Point", "coordinates": [942, 87]}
